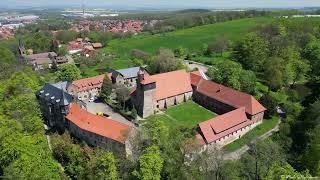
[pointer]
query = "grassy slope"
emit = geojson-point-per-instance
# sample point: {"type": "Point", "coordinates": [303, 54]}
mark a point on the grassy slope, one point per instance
{"type": "Point", "coordinates": [191, 38]}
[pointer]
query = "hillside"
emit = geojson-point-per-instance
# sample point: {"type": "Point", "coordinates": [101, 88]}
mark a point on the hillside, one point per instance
{"type": "Point", "coordinates": [191, 38]}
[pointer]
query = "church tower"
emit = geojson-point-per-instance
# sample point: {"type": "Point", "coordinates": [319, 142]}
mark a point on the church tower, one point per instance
{"type": "Point", "coordinates": [145, 100]}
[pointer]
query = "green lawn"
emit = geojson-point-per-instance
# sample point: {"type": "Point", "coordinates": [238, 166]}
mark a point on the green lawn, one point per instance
{"type": "Point", "coordinates": [187, 114]}
{"type": "Point", "coordinates": [267, 125]}
{"type": "Point", "coordinates": [191, 38]}
{"type": "Point", "coordinates": [99, 69]}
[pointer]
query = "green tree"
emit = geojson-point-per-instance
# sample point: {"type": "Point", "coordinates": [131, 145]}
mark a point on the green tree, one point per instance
{"type": "Point", "coordinates": [150, 164]}
{"type": "Point", "coordinates": [312, 155]}
{"type": "Point", "coordinates": [251, 52]}
{"type": "Point", "coordinates": [226, 73]}
{"type": "Point", "coordinates": [66, 36]}
{"type": "Point", "coordinates": [180, 52]}
{"type": "Point", "coordinates": [273, 73]}
{"type": "Point", "coordinates": [270, 104]}
{"type": "Point", "coordinates": [312, 53]}
{"type": "Point", "coordinates": [123, 94]}
{"type": "Point", "coordinates": [106, 167]}
{"type": "Point", "coordinates": [68, 72]}
{"type": "Point", "coordinates": [106, 88]}
{"type": "Point", "coordinates": [218, 46]}
{"type": "Point", "coordinates": [62, 51]}
{"type": "Point", "coordinates": [248, 81]}
{"type": "Point", "coordinates": [6, 62]}
{"type": "Point", "coordinates": [284, 171]}
{"type": "Point", "coordinates": [165, 61]}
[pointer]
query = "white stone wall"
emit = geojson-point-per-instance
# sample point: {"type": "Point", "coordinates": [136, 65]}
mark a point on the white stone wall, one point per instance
{"type": "Point", "coordinates": [85, 95]}
{"type": "Point", "coordinates": [173, 100]}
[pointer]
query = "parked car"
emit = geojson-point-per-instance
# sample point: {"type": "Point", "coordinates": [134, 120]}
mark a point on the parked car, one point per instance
{"type": "Point", "coordinates": [92, 99]}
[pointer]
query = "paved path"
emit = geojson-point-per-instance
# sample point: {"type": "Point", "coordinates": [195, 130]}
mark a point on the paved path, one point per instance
{"type": "Point", "coordinates": [48, 137]}
{"type": "Point", "coordinates": [193, 64]}
{"type": "Point", "coordinates": [94, 107]}
{"type": "Point", "coordinates": [238, 153]}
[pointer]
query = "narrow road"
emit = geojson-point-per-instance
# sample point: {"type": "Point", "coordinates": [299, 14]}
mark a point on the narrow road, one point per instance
{"type": "Point", "coordinates": [192, 64]}
{"type": "Point", "coordinates": [239, 152]}
{"type": "Point", "coordinates": [48, 137]}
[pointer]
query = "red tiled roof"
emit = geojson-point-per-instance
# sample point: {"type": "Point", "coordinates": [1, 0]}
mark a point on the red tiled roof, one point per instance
{"type": "Point", "coordinates": [195, 78]}
{"type": "Point", "coordinates": [227, 95]}
{"type": "Point", "coordinates": [97, 45]}
{"type": "Point", "coordinates": [90, 48]}
{"type": "Point", "coordinates": [224, 125]}
{"type": "Point", "coordinates": [170, 84]}
{"type": "Point", "coordinates": [89, 83]}
{"type": "Point", "coordinates": [96, 124]}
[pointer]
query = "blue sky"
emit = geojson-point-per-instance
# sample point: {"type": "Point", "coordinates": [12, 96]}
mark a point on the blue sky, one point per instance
{"type": "Point", "coordinates": [164, 3]}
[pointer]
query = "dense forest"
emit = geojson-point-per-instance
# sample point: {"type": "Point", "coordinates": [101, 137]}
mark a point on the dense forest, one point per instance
{"type": "Point", "coordinates": [277, 62]}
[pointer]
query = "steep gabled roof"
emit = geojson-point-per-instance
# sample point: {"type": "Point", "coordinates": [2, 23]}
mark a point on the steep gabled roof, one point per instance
{"type": "Point", "coordinates": [220, 126]}
{"type": "Point", "coordinates": [96, 124]}
{"type": "Point", "coordinates": [227, 95]}
{"type": "Point", "coordinates": [55, 93]}
{"type": "Point", "coordinates": [170, 84]}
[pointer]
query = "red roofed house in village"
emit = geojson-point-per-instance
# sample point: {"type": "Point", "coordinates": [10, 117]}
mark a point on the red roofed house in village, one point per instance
{"type": "Point", "coordinates": [99, 131]}
{"type": "Point", "coordinates": [161, 91]}
{"type": "Point", "coordinates": [84, 89]}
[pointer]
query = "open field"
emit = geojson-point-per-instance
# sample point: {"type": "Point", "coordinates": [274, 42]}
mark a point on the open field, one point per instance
{"type": "Point", "coordinates": [188, 114]}
{"type": "Point", "coordinates": [191, 38]}
{"type": "Point", "coordinates": [99, 69]}
{"type": "Point", "coordinates": [266, 126]}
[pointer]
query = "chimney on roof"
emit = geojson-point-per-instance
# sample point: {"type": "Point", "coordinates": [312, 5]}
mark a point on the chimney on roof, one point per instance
{"type": "Point", "coordinates": [219, 90]}
{"type": "Point", "coordinates": [140, 75]}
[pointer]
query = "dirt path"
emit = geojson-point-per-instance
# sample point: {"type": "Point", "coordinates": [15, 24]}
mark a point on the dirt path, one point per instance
{"type": "Point", "coordinates": [239, 152]}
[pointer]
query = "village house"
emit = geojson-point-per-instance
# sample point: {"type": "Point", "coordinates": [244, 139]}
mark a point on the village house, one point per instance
{"type": "Point", "coordinates": [125, 76]}
{"type": "Point", "coordinates": [160, 91]}
{"type": "Point", "coordinates": [84, 46]}
{"type": "Point", "coordinates": [86, 88]}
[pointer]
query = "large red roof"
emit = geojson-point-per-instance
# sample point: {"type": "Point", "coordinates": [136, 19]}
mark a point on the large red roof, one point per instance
{"type": "Point", "coordinates": [89, 83]}
{"type": "Point", "coordinates": [225, 124]}
{"type": "Point", "coordinates": [227, 95]}
{"type": "Point", "coordinates": [170, 84]}
{"type": "Point", "coordinates": [96, 124]}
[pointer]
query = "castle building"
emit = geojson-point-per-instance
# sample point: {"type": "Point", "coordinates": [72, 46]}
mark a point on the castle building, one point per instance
{"type": "Point", "coordinates": [99, 131]}
{"type": "Point", "coordinates": [54, 103]}
{"type": "Point", "coordinates": [224, 129]}
{"type": "Point", "coordinates": [86, 88]}
{"type": "Point", "coordinates": [222, 99]}
{"type": "Point", "coordinates": [61, 111]}
{"type": "Point", "coordinates": [160, 91]}
{"type": "Point", "coordinates": [125, 76]}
